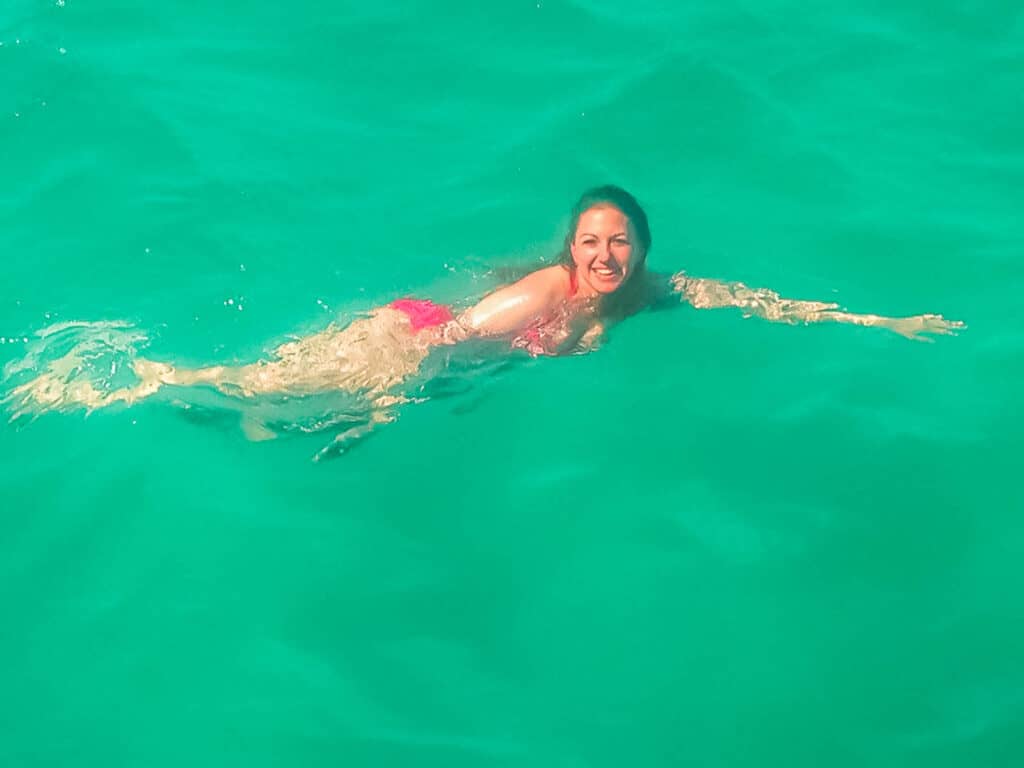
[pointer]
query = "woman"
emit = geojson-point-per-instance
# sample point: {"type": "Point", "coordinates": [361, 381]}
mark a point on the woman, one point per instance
{"type": "Point", "coordinates": [602, 272]}
{"type": "Point", "coordinates": [601, 279]}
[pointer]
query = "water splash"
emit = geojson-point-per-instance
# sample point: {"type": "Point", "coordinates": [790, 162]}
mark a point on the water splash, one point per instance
{"type": "Point", "coordinates": [70, 366]}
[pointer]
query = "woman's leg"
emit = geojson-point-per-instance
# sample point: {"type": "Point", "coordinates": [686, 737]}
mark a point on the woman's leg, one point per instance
{"type": "Point", "coordinates": [371, 355]}
{"type": "Point", "coordinates": [153, 375]}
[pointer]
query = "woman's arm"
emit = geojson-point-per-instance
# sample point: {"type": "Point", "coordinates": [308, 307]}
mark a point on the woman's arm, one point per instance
{"type": "Point", "coordinates": [703, 293]}
{"type": "Point", "coordinates": [513, 307]}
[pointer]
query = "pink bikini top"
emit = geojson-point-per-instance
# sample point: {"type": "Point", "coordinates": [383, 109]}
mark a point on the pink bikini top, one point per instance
{"type": "Point", "coordinates": [530, 339]}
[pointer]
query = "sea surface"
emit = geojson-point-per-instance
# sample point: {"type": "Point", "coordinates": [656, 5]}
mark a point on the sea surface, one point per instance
{"type": "Point", "coordinates": [715, 541]}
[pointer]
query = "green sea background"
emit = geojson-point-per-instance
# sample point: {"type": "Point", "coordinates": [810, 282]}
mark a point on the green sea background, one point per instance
{"type": "Point", "coordinates": [716, 541]}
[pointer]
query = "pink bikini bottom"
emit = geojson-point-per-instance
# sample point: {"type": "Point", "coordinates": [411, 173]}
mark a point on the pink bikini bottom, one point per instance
{"type": "Point", "coordinates": [423, 313]}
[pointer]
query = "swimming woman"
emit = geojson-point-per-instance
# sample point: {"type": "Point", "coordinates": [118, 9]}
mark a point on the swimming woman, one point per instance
{"type": "Point", "coordinates": [601, 278]}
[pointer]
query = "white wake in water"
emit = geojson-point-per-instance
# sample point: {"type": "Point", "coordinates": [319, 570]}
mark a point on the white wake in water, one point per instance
{"type": "Point", "coordinates": [72, 365]}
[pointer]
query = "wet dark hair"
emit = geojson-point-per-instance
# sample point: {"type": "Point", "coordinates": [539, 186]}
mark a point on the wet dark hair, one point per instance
{"type": "Point", "coordinates": [615, 197]}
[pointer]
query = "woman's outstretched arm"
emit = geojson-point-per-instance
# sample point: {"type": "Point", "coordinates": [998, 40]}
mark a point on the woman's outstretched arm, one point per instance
{"type": "Point", "coordinates": [704, 293]}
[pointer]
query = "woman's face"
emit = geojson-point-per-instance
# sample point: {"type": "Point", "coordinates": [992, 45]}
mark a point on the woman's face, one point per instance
{"type": "Point", "coordinates": [604, 250]}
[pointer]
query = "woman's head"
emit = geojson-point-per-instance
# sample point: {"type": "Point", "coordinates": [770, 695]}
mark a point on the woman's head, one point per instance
{"type": "Point", "coordinates": [608, 239]}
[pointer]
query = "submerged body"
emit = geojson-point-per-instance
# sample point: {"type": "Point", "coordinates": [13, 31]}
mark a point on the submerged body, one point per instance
{"type": "Point", "coordinates": [371, 355]}
{"type": "Point", "coordinates": [374, 355]}
{"type": "Point", "coordinates": [554, 310]}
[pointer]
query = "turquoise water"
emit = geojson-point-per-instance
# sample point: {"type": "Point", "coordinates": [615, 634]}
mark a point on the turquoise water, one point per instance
{"type": "Point", "coordinates": [715, 541]}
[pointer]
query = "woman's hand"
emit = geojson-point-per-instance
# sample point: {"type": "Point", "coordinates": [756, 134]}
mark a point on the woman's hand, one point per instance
{"type": "Point", "coordinates": [678, 282]}
{"type": "Point", "coordinates": [917, 326]}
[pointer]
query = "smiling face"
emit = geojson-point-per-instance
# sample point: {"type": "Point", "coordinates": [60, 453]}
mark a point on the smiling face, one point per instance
{"type": "Point", "coordinates": [604, 250]}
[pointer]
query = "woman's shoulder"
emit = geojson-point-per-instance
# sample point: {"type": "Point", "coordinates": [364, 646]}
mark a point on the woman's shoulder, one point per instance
{"type": "Point", "coordinates": [554, 278]}
{"type": "Point", "coordinates": [547, 284]}
{"type": "Point", "coordinates": [512, 306]}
